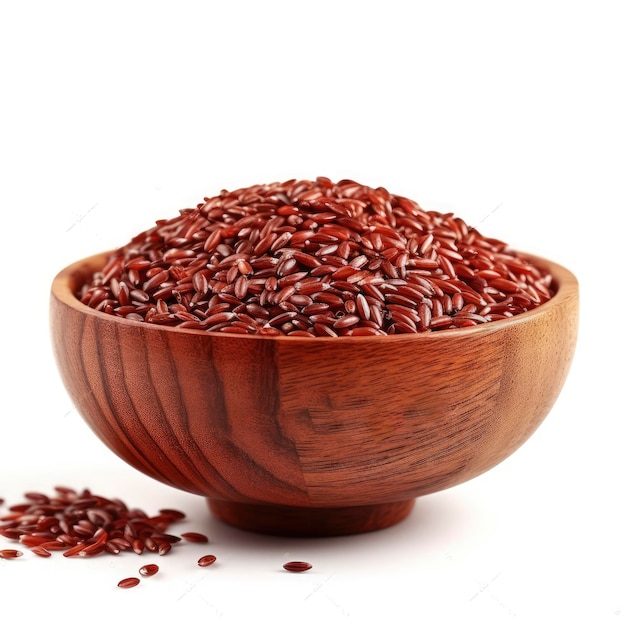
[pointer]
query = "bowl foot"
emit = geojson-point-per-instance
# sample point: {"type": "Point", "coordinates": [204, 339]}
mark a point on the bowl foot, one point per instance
{"type": "Point", "coordinates": [309, 522]}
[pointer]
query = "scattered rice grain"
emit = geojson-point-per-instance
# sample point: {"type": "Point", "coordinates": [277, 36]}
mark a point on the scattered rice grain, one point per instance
{"type": "Point", "coordinates": [149, 570]}
{"type": "Point", "coordinates": [195, 537]}
{"type": "Point", "coordinates": [10, 554]}
{"type": "Point", "coordinates": [206, 560]}
{"type": "Point", "coordinates": [297, 566]}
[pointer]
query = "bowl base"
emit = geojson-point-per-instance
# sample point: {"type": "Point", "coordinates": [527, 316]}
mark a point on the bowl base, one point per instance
{"type": "Point", "coordinates": [309, 522]}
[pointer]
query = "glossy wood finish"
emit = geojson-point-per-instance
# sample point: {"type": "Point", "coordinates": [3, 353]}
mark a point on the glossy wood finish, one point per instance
{"type": "Point", "coordinates": [312, 436]}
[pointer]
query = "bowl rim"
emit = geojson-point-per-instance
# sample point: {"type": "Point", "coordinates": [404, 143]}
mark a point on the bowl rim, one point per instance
{"type": "Point", "coordinates": [564, 282]}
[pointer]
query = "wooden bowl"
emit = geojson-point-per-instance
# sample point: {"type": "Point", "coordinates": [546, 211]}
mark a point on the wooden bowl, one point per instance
{"type": "Point", "coordinates": [312, 436]}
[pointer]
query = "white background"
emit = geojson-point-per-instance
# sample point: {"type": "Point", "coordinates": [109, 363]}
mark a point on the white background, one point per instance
{"type": "Point", "coordinates": [115, 114]}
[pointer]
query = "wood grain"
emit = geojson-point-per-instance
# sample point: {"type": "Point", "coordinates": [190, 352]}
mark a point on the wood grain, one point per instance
{"type": "Point", "coordinates": [314, 425]}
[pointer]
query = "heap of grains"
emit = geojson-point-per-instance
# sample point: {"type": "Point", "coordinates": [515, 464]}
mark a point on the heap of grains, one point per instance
{"type": "Point", "coordinates": [84, 524]}
{"type": "Point", "coordinates": [315, 259]}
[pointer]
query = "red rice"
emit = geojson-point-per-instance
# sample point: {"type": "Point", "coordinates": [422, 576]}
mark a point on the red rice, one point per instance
{"type": "Point", "coordinates": [264, 259]}
{"type": "Point", "coordinates": [149, 570]}
{"type": "Point", "coordinates": [195, 537]}
{"type": "Point", "coordinates": [10, 554]}
{"type": "Point", "coordinates": [206, 560]}
{"type": "Point", "coordinates": [84, 524]}
{"type": "Point", "coordinates": [297, 566]}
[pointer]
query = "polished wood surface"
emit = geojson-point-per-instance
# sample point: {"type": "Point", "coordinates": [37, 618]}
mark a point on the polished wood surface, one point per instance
{"type": "Point", "coordinates": [309, 435]}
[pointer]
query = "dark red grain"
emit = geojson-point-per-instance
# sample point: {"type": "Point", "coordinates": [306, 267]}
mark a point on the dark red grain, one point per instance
{"type": "Point", "coordinates": [41, 551]}
{"type": "Point", "coordinates": [39, 498]}
{"type": "Point", "coordinates": [195, 537]}
{"type": "Point", "coordinates": [10, 554]}
{"type": "Point", "coordinates": [149, 570]}
{"type": "Point", "coordinates": [206, 560]}
{"type": "Point", "coordinates": [138, 546]}
{"type": "Point", "coordinates": [297, 566]}
{"type": "Point", "coordinates": [127, 583]}
{"type": "Point", "coordinates": [54, 546]}
{"type": "Point", "coordinates": [346, 321]}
